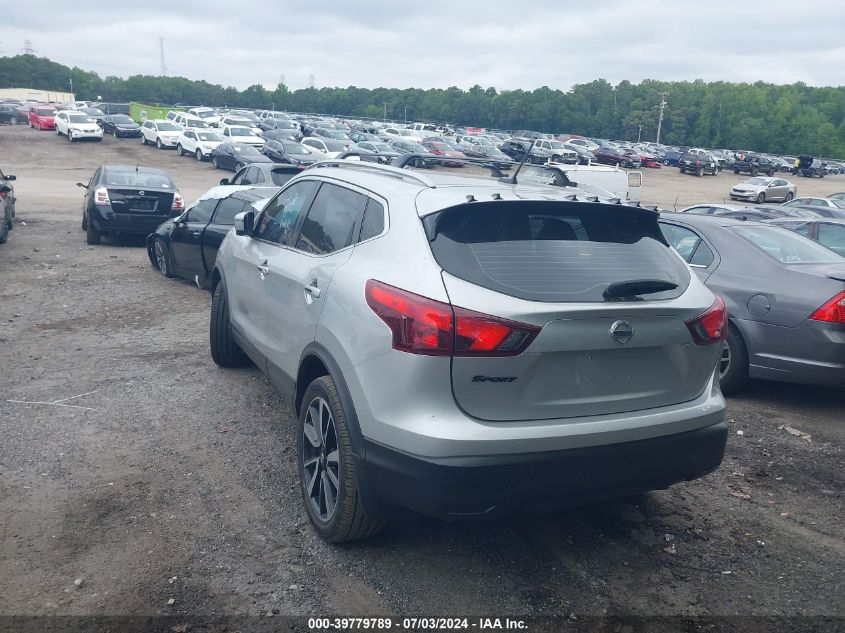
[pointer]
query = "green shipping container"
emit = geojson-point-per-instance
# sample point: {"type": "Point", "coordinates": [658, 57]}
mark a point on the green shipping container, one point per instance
{"type": "Point", "coordinates": [143, 111]}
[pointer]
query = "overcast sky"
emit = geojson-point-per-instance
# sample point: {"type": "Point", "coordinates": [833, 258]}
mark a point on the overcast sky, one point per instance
{"type": "Point", "coordinates": [437, 43]}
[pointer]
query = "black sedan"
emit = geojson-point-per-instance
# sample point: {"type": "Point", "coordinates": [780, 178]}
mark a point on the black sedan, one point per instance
{"type": "Point", "coordinates": [289, 128]}
{"type": "Point", "coordinates": [119, 126]}
{"type": "Point", "coordinates": [10, 113]}
{"type": "Point", "coordinates": [281, 135]}
{"type": "Point", "coordinates": [382, 151]}
{"type": "Point", "coordinates": [289, 152]}
{"type": "Point", "coordinates": [233, 156]}
{"type": "Point", "coordinates": [263, 175]}
{"type": "Point", "coordinates": [127, 199]}
{"type": "Point", "coordinates": [186, 246]}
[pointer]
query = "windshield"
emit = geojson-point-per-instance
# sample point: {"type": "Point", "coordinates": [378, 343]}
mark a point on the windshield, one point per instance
{"type": "Point", "coordinates": [382, 147]}
{"type": "Point", "coordinates": [785, 246]}
{"type": "Point", "coordinates": [136, 178]}
{"type": "Point", "coordinates": [246, 150]}
{"type": "Point", "coordinates": [556, 145]}
{"type": "Point", "coordinates": [93, 111]}
{"type": "Point", "coordinates": [280, 116]}
{"type": "Point", "coordinates": [44, 112]}
{"type": "Point", "coordinates": [286, 125]}
{"type": "Point", "coordinates": [195, 123]}
{"type": "Point", "coordinates": [336, 134]}
{"type": "Point", "coordinates": [334, 146]}
{"type": "Point", "coordinates": [205, 115]}
{"type": "Point", "coordinates": [121, 118]}
{"type": "Point", "coordinates": [211, 137]}
{"type": "Point", "coordinates": [168, 127]}
{"type": "Point", "coordinates": [760, 182]}
{"type": "Point", "coordinates": [406, 132]}
{"type": "Point", "coordinates": [79, 118]}
{"type": "Point", "coordinates": [240, 131]}
{"type": "Point", "coordinates": [294, 148]}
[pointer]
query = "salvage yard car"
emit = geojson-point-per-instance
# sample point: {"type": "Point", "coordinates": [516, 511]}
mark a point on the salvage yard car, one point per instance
{"type": "Point", "coordinates": [127, 199]}
{"type": "Point", "coordinates": [186, 246]}
{"type": "Point", "coordinates": [529, 392]}
{"type": "Point", "coordinates": [785, 296]}
{"type": "Point", "coordinates": [198, 143]}
{"type": "Point", "coordinates": [762, 189]}
{"type": "Point", "coordinates": [77, 126]}
{"type": "Point", "coordinates": [120, 126]}
{"type": "Point", "coordinates": [233, 156]}
{"type": "Point", "coordinates": [42, 117]}
{"type": "Point", "coordinates": [163, 134]}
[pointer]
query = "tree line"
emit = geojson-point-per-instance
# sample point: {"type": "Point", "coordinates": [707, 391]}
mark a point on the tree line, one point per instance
{"type": "Point", "coordinates": [765, 117]}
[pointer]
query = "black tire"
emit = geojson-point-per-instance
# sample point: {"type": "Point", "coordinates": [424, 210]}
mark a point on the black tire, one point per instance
{"type": "Point", "coordinates": [158, 144]}
{"type": "Point", "coordinates": [180, 150]}
{"type": "Point", "coordinates": [347, 521]}
{"type": "Point", "coordinates": [115, 134]}
{"type": "Point", "coordinates": [700, 172]}
{"type": "Point", "coordinates": [163, 260]}
{"type": "Point", "coordinates": [13, 120]}
{"type": "Point", "coordinates": [214, 162]}
{"type": "Point", "coordinates": [736, 171]}
{"type": "Point", "coordinates": [92, 235]}
{"type": "Point", "coordinates": [683, 171]}
{"type": "Point", "coordinates": [754, 171]}
{"type": "Point", "coordinates": [70, 136]}
{"type": "Point", "coordinates": [224, 350]}
{"type": "Point", "coordinates": [198, 155]}
{"type": "Point", "coordinates": [143, 139]}
{"type": "Point", "coordinates": [789, 196]}
{"type": "Point", "coordinates": [734, 377]}
{"type": "Point", "coordinates": [761, 197]}
{"type": "Point", "coordinates": [4, 231]}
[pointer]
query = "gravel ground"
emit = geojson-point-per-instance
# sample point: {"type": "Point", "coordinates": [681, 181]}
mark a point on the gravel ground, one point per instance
{"type": "Point", "coordinates": [156, 476]}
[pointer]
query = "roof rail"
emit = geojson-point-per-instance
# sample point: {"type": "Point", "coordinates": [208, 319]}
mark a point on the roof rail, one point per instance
{"type": "Point", "coordinates": [376, 168]}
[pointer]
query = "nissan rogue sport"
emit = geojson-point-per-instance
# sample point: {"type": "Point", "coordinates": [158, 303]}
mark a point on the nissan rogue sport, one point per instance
{"type": "Point", "coordinates": [465, 347]}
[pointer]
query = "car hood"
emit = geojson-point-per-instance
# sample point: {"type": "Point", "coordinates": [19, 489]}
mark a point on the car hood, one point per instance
{"type": "Point", "coordinates": [127, 126]}
{"type": "Point", "coordinates": [742, 187]}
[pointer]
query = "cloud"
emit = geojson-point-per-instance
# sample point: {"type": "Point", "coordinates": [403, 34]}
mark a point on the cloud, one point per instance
{"type": "Point", "coordinates": [436, 43]}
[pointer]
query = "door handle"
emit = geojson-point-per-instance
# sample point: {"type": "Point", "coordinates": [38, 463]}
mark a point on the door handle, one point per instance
{"type": "Point", "coordinates": [312, 289]}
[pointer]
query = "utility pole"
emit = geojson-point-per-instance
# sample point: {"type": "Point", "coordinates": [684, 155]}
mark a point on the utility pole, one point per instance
{"type": "Point", "coordinates": [27, 48]}
{"type": "Point", "coordinates": [663, 96]}
{"type": "Point", "coordinates": [406, 115]}
{"type": "Point", "coordinates": [311, 81]}
{"type": "Point", "coordinates": [639, 132]}
{"type": "Point", "coordinates": [385, 111]}
{"type": "Point", "coordinates": [70, 79]}
{"type": "Point", "coordinates": [719, 123]}
{"type": "Point", "coordinates": [161, 50]}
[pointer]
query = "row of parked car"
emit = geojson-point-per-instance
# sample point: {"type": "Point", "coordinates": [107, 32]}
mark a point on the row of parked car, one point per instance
{"type": "Point", "coordinates": [607, 338]}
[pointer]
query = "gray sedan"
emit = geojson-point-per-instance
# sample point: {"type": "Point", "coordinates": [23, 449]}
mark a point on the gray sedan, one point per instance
{"type": "Point", "coordinates": [785, 296]}
{"type": "Point", "coordinates": [762, 189]}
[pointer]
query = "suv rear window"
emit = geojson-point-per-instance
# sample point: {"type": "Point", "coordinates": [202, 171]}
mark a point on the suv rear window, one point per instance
{"type": "Point", "coordinates": [554, 251]}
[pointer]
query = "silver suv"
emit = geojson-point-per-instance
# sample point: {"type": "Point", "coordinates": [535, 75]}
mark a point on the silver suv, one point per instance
{"type": "Point", "coordinates": [464, 346]}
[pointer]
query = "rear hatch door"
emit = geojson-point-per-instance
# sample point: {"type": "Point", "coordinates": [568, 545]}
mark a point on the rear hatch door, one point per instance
{"type": "Point", "coordinates": [549, 264]}
{"type": "Point", "coordinates": [140, 200]}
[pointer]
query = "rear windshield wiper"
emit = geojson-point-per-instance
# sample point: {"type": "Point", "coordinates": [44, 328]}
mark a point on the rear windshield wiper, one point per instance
{"type": "Point", "coordinates": [631, 290]}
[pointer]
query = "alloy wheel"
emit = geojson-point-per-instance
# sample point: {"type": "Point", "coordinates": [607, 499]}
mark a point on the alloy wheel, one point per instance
{"type": "Point", "coordinates": [321, 459]}
{"type": "Point", "coordinates": [725, 360]}
{"type": "Point", "coordinates": [161, 258]}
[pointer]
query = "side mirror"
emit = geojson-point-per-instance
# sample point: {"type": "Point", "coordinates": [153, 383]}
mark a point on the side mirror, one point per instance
{"type": "Point", "coordinates": [224, 181]}
{"type": "Point", "coordinates": [244, 223]}
{"type": "Point", "coordinates": [79, 184]}
{"type": "Point", "coordinates": [10, 177]}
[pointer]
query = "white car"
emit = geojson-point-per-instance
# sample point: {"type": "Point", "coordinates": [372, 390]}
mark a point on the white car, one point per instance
{"type": "Point", "coordinates": [209, 115]}
{"type": "Point", "coordinates": [187, 121]}
{"type": "Point", "coordinates": [161, 133]}
{"type": "Point", "coordinates": [241, 134]}
{"type": "Point", "coordinates": [77, 126]}
{"type": "Point", "coordinates": [239, 121]}
{"type": "Point", "coordinates": [325, 148]}
{"type": "Point", "coordinates": [200, 143]}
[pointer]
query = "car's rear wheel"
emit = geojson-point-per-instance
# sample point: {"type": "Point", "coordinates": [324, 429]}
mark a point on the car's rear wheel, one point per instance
{"type": "Point", "coordinates": [162, 257]}
{"type": "Point", "coordinates": [761, 197]}
{"type": "Point", "coordinates": [327, 474]}
{"type": "Point", "coordinates": [683, 171]}
{"type": "Point", "coordinates": [214, 162]}
{"type": "Point", "coordinates": [224, 349]}
{"type": "Point", "coordinates": [754, 171]}
{"type": "Point", "coordinates": [733, 363]}
{"type": "Point", "coordinates": [92, 235]}
{"type": "Point", "coordinates": [789, 196]}
{"type": "Point", "coordinates": [198, 155]}
{"type": "Point", "coordinates": [736, 171]}
{"type": "Point", "coordinates": [13, 120]}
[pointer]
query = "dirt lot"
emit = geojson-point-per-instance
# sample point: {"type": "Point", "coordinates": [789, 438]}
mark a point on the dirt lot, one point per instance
{"type": "Point", "coordinates": [155, 475]}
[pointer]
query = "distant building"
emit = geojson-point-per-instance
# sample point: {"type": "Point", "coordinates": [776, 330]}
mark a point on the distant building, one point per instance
{"type": "Point", "coordinates": [33, 94]}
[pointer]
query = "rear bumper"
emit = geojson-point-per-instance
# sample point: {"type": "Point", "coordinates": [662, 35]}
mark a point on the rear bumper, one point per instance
{"type": "Point", "coordinates": [474, 486]}
{"type": "Point", "coordinates": [106, 221]}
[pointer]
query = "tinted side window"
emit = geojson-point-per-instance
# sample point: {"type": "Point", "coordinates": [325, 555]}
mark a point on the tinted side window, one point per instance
{"type": "Point", "coordinates": [688, 244]}
{"type": "Point", "coordinates": [373, 220]}
{"type": "Point", "coordinates": [333, 221]}
{"type": "Point", "coordinates": [228, 209]}
{"type": "Point", "coordinates": [201, 211]}
{"type": "Point", "coordinates": [280, 176]}
{"type": "Point", "coordinates": [279, 220]}
{"type": "Point", "coordinates": [833, 236]}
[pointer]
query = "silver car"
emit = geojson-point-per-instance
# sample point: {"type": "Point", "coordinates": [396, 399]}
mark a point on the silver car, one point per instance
{"type": "Point", "coordinates": [464, 347]}
{"type": "Point", "coordinates": [764, 189]}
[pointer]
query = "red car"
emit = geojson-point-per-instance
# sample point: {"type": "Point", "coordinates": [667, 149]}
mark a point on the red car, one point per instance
{"type": "Point", "coordinates": [647, 160]}
{"type": "Point", "coordinates": [438, 148]}
{"type": "Point", "coordinates": [42, 117]}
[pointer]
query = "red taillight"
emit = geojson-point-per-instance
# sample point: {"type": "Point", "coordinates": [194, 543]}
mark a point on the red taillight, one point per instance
{"type": "Point", "coordinates": [425, 326]}
{"type": "Point", "coordinates": [178, 203]}
{"type": "Point", "coordinates": [710, 326]}
{"type": "Point", "coordinates": [833, 311]}
{"type": "Point", "coordinates": [101, 196]}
